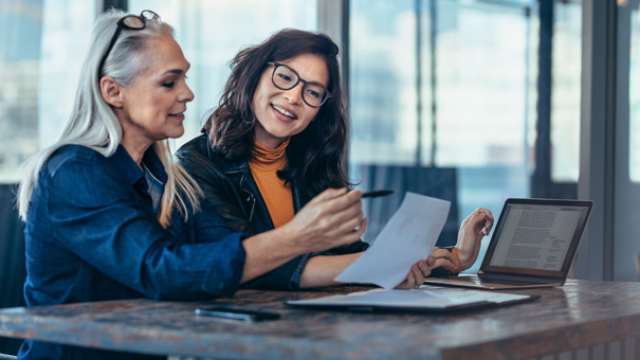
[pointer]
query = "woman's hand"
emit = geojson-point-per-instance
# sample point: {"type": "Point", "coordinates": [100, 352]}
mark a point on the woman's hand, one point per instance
{"type": "Point", "coordinates": [422, 269]}
{"type": "Point", "coordinates": [327, 221]}
{"type": "Point", "coordinates": [473, 229]}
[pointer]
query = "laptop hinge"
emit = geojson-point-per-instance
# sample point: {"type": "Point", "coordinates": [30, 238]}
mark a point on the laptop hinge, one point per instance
{"type": "Point", "coordinates": [484, 275]}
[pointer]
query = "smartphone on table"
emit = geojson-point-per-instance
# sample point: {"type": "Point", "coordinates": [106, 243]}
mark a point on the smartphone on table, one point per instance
{"type": "Point", "coordinates": [237, 314]}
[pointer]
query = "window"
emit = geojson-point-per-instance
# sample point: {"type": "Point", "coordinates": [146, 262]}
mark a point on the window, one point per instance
{"type": "Point", "coordinates": [443, 100]}
{"type": "Point", "coordinates": [565, 95]}
{"type": "Point", "coordinates": [383, 97]}
{"type": "Point", "coordinates": [443, 94]}
{"type": "Point", "coordinates": [43, 43]}
{"type": "Point", "coordinates": [41, 47]}
{"type": "Point", "coordinates": [634, 97]}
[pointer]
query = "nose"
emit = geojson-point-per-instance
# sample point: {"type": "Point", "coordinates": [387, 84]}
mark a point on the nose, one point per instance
{"type": "Point", "coordinates": [294, 95]}
{"type": "Point", "coordinates": [186, 95]}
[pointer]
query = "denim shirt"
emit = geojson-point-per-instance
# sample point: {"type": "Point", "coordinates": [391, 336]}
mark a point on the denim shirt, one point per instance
{"type": "Point", "coordinates": [92, 235]}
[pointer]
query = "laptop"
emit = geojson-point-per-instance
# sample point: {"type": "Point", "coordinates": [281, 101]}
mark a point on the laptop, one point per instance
{"type": "Point", "coordinates": [533, 245]}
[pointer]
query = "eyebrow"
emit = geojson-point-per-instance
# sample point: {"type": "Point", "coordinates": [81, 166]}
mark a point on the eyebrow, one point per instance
{"type": "Point", "coordinates": [316, 83]}
{"type": "Point", "coordinates": [308, 81]}
{"type": "Point", "coordinates": [176, 71]}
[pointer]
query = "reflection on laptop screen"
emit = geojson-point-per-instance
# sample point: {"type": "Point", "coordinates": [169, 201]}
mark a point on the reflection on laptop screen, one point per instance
{"type": "Point", "coordinates": [536, 236]}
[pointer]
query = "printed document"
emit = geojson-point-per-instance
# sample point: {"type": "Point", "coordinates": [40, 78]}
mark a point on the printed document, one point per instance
{"type": "Point", "coordinates": [536, 237]}
{"type": "Point", "coordinates": [409, 236]}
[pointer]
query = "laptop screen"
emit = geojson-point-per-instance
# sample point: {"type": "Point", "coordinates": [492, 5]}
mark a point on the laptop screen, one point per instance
{"type": "Point", "coordinates": [537, 237]}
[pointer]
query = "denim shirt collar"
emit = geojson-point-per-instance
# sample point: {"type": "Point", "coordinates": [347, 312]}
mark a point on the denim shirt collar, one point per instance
{"type": "Point", "coordinates": [132, 172]}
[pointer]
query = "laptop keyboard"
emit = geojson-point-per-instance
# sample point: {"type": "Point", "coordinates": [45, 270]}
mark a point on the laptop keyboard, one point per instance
{"type": "Point", "coordinates": [510, 282]}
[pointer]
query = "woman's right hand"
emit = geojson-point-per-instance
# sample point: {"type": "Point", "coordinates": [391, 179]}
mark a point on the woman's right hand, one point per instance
{"type": "Point", "coordinates": [422, 269]}
{"type": "Point", "coordinates": [329, 220]}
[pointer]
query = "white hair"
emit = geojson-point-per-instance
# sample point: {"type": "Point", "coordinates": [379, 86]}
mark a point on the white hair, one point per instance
{"type": "Point", "coordinates": [94, 124]}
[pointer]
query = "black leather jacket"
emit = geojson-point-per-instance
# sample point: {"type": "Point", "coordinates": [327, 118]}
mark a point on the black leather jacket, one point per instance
{"type": "Point", "coordinates": [230, 190]}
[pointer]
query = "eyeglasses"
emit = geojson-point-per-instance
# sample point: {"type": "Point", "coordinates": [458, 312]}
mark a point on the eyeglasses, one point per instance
{"type": "Point", "coordinates": [129, 22]}
{"type": "Point", "coordinates": [285, 78]}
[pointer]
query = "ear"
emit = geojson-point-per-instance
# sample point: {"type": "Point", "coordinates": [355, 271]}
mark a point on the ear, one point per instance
{"type": "Point", "coordinates": [112, 92]}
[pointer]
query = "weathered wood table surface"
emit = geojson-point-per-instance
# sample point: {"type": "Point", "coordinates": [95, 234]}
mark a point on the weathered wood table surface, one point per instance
{"type": "Point", "coordinates": [579, 315]}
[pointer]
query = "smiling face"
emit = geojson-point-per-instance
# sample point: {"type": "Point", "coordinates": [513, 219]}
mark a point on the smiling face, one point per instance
{"type": "Point", "coordinates": [152, 106]}
{"type": "Point", "coordinates": [282, 113]}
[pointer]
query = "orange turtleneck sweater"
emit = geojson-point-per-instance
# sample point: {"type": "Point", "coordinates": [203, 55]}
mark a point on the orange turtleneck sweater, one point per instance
{"type": "Point", "coordinates": [278, 197]}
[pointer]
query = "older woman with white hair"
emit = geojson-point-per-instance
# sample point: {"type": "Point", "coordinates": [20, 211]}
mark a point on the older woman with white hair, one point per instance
{"type": "Point", "coordinates": [110, 216]}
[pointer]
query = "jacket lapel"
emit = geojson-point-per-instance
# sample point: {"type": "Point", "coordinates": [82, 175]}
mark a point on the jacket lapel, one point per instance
{"type": "Point", "coordinates": [254, 205]}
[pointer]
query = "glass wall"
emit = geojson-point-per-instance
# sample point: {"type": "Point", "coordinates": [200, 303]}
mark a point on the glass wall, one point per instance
{"type": "Point", "coordinates": [441, 90]}
{"type": "Point", "coordinates": [443, 100]}
{"type": "Point", "coordinates": [19, 65]}
{"type": "Point", "coordinates": [383, 98]}
{"type": "Point", "coordinates": [443, 93]}
{"type": "Point", "coordinates": [634, 95]}
{"type": "Point", "coordinates": [43, 42]}
{"type": "Point", "coordinates": [626, 247]}
{"type": "Point", "coordinates": [565, 95]}
{"type": "Point", "coordinates": [65, 41]}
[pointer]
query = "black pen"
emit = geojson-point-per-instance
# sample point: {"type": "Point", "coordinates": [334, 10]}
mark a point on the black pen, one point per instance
{"type": "Point", "coordinates": [377, 193]}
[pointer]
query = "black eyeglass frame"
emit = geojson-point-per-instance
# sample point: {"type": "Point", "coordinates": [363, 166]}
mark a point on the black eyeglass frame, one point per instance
{"type": "Point", "coordinates": [327, 94]}
{"type": "Point", "coordinates": [123, 25]}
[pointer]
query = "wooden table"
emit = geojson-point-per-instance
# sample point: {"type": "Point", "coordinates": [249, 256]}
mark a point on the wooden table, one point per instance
{"type": "Point", "coordinates": [574, 318]}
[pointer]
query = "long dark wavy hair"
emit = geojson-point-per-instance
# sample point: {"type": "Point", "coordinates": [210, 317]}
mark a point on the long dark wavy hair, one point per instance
{"type": "Point", "coordinates": [315, 156]}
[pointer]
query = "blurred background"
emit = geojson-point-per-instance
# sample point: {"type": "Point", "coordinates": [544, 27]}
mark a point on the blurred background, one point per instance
{"type": "Point", "coordinates": [442, 94]}
{"type": "Point", "coordinates": [473, 101]}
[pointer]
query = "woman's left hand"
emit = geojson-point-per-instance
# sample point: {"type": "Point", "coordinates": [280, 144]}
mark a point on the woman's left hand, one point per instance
{"type": "Point", "coordinates": [421, 269]}
{"type": "Point", "coordinates": [473, 229]}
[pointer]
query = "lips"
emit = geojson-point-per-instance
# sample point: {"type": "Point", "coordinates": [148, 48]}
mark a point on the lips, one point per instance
{"type": "Point", "coordinates": [177, 114]}
{"type": "Point", "coordinates": [286, 112]}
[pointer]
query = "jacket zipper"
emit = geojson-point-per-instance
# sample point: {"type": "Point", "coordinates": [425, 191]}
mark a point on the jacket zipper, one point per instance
{"type": "Point", "coordinates": [251, 196]}
{"type": "Point", "coordinates": [253, 206]}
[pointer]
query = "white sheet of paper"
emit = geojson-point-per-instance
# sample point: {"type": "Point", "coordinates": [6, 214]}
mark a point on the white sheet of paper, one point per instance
{"type": "Point", "coordinates": [470, 296]}
{"type": "Point", "coordinates": [408, 237]}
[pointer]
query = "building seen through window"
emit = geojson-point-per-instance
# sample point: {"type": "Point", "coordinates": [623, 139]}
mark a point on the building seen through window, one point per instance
{"type": "Point", "coordinates": [634, 98]}
{"type": "Point", "coordinates": [19, 78]}
{"type": "Point", "coordinates": [444, 101]}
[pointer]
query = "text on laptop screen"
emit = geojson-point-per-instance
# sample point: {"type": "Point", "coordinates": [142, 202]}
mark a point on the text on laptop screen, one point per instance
{"type": "Point", "coordinates": [536, 236]}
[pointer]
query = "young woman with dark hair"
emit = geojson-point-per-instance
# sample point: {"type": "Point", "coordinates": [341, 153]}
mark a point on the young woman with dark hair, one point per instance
{"type": "Point", "coordinates": [278, 139]}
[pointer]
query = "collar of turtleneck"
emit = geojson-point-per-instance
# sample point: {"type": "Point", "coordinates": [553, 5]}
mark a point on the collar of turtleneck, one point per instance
{"type": "Point", "coordinates": [268, 157]}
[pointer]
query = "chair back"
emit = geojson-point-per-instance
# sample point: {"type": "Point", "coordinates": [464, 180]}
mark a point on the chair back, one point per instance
{"type": "Point", "coordinates": [12, 261]}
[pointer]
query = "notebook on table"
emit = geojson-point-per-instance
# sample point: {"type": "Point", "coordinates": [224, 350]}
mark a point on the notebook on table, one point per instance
{"type": "Point", "coordinates": [415, 300]}
{"type": "Point", "coordinates": [533, 245]}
